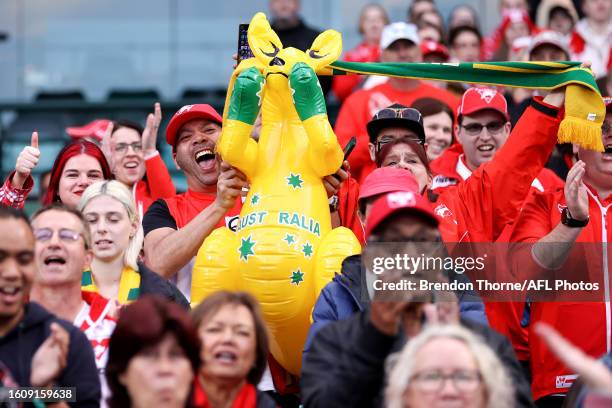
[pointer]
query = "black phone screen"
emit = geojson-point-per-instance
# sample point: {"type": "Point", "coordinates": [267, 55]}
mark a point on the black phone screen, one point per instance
{"type": "Point", "coordinates": [244, 51]}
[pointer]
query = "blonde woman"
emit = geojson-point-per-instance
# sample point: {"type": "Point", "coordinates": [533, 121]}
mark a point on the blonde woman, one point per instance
{"type": "Point", "coordinates": [117, 238]}
{"type": "Point", "coordinates": [448, 364]}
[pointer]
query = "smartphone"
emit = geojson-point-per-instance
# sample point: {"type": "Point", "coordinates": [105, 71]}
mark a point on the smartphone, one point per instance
{"type": "Point", "coordinates": [244, 51]}
{"type": "Point", "coordinates": [348, 149]}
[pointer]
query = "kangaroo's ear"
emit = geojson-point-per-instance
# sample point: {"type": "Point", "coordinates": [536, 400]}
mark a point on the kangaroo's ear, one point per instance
{"type": "Point", "coordinates": [263, 41]}
{"type": "Point", "coordinates": [325, 49]}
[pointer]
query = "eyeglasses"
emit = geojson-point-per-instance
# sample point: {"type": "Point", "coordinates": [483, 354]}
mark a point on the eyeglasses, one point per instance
{"type": "Point", "coordinates": [123, 147]}
{"type": "Point", "coordinates": [474, 129]}
{"type": "Point", "coordinates": [389, 139]}
{"type": "Point", "coordinates": [433, 381]}
{"type": "Point", "coordinates": [65, 234]}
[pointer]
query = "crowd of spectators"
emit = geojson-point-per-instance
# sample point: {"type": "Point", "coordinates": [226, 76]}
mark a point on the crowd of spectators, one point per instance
{"type": "Point", "coordinates": [95, 286]}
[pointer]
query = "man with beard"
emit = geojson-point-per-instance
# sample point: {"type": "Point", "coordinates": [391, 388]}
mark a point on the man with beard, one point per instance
{"type": "Point", "coordinates": [175, 227]}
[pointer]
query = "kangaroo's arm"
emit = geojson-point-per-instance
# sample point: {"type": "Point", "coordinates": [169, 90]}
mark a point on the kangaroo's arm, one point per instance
{"type": "Point", "coordinates": [236, 145]}
{"type": "Point", "coordinates": [324, 152]}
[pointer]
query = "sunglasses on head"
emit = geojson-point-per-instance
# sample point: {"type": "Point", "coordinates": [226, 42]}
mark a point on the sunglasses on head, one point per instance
{"type": "Point", "coordinates": [399, 113]}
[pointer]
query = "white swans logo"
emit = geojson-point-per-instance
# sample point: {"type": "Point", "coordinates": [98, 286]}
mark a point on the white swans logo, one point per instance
{"type": "Point", "coordinates": [401, 199]}
{"type": "Point", "coordinates": [443, 211]}
{"type": "Point", "coordinates": [486, 94]}
{"type": "Point", "coordinates": [184, 109]}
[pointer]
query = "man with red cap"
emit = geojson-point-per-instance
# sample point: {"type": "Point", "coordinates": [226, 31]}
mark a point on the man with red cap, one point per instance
{"type": "Point", "coordinates": [176, 227]}
{"type": "Point", "coordinates": [345, 365]}
{"type": "Point", "coordinates": [483, 125]}
{"type": "Point", "coordinates": [570, 230]}
{"type": "Point", "coordinates": [346, 294]}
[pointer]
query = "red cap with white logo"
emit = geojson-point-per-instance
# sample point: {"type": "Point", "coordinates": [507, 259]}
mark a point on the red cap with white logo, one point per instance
{"type": "Point", "coordinates": [433, 47]}
{"type": "Point", "coordinates": [477, 99]}
{"type": "Point", "coordinates": [187, 113]}
{"type": "Point", "coordinates": [391, 203]}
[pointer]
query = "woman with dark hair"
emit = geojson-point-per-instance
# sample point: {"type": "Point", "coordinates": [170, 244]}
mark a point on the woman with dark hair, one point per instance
{"type": "Point", "coordinates": [133, 157]}
{"type": "Point", "coordinates": [234, 352]}
{"type": "Point", "coordinates": [438, 121]}
{"type": "Point", "coordinates": [153, 356]}
{"type": "Point", "coordinates": [78, 165]}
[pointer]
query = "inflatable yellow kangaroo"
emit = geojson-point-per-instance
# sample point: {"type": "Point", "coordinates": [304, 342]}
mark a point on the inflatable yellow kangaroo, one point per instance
{"type": "Point", "coordinates": [284, 250]}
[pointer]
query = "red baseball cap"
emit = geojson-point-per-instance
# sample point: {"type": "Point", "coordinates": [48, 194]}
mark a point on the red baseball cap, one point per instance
{"type": "Point", "coordinates": [95, 129]}
{"type": "Point", "coordinates": [433, 47]}
{"type": "Point", "coordinates": [391, 203]}
{"type": "Point", "coordinates": [477, 99]}
{"type": "Point", "coordinates": [386, 180]}
{"type": "Point", "coordinates": [187, 113]}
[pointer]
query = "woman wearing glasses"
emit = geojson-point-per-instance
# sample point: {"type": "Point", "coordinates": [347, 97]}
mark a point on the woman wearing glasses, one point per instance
{"type": "Point", "coordinates": [117, 237]}
{"type": "Point", "coordinates": [448, 365]}
{"type": "Point", "coordinates": [135, 161]}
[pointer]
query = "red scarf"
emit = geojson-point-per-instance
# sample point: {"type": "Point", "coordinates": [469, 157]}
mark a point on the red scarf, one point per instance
{"type": "Point", "coordinates": [246, 397]}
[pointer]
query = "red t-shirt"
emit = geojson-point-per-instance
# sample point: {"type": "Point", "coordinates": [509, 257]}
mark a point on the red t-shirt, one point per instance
{"type": "Point", "coordinates": [176, 212]}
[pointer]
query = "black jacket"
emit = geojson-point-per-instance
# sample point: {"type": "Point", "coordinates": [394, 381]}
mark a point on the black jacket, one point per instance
{"type": "Point", "coordinates": [347, 293]}
{"type": "Point", "coordinates": [346, 363]}
{"type": "Point", "coordinates": [152, 283]}
{"type": "Point", "coordinates": [19, 345]}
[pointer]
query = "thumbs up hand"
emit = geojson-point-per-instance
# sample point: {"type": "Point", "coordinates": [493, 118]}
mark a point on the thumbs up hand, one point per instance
{"type": "Point", "coordinates": [26, 162]}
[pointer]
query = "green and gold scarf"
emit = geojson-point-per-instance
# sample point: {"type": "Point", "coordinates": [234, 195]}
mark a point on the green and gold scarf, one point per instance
{"type": "Point", "coordinates": [129, 285]}
{"type": "Point", "coordinates": [584, 107]}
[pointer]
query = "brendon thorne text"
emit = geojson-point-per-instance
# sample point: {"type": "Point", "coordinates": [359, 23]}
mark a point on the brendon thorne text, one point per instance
{"type": "Point", "coordinates": [485, 285]}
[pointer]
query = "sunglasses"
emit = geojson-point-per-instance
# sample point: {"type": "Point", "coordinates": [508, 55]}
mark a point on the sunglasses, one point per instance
{"type": "Point", "coordinates": [399, 113]}
{"type": "Point", "coordinates": [493, 128]}
{"type": "Point", "coordinates": [65, 235]}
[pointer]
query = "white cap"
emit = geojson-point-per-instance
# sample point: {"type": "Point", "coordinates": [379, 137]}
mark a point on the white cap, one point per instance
{"type": "Point", "coordinates": [398, 31]}
{"type": "Point", "coordinates": [552, 38]}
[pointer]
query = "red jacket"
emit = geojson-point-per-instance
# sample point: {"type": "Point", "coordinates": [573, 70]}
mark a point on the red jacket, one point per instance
{"type": "Point", "coordinates": [450, 169]}
{"type": "Point", "coordinates": [359, 108]}
{"type": "Point", "coordinates": [480, 208]}
{"type": "Point", "coordinates": [586, 324]}
{"type": "Point", "coordinates": [505, 317]}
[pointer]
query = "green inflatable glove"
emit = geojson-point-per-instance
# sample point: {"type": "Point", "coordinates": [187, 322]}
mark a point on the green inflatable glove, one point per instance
{"type": "Point", "coordinates": [246, 96]}
{"type": "Point", "coordinates": [307, 93]}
